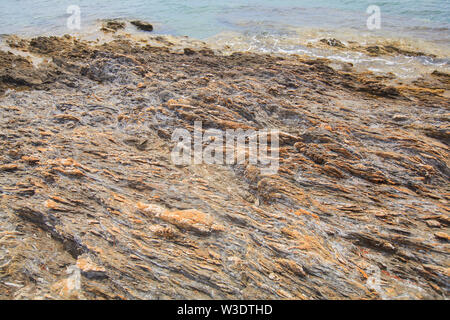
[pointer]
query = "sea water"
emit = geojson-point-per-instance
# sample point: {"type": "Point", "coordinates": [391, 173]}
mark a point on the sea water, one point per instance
{"type": "Point", "coordinates": [282, 26]}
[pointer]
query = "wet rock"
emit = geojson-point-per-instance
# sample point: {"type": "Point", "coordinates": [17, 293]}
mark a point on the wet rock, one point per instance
{"type": "Point", "coordinates": [113, 26]}
{"type": "Point", "coordinates": [333, 43]}
{"type": "Point", "coordinates": [44, 44]}
{"type": "Point", "coordinates": [188, 51]}
{"type": "Point", "coordinates": [142, 25]}
{"type": "Point", "coordinates": [390, 49]}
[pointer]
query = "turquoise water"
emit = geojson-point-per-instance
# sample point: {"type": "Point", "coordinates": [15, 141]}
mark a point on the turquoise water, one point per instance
{"type": "Point", "coordinates": [268, 26]}
{"type": "Point", "coordinates": [201, 19]}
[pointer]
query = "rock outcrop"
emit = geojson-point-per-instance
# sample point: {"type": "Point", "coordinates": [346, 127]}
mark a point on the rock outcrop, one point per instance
{"type": "Point", "coordinates": [92, 207]}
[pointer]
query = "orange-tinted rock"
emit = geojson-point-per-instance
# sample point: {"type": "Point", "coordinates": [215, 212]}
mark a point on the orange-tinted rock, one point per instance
{"type": "Point", "coordinates": [30, 159]}
{"type": "Point", "coordinates": [90, 269]}
{"type": "Point", "coordinates": [192, 220]}
{"type": "Point", "coordinates": [70, 287]}
{"type": "Point", "coordinates": [150, 209]}
{"type": "Point", "coordinates": [292, 266]}
{"type": "Point", "coordinates": [9, 167]}
{"type": "Point", "coordinates": [442, 236]}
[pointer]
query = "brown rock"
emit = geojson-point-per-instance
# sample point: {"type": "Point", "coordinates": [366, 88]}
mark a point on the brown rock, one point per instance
{"type": "Point", "coordinates": [292, 266]}
{"type": "Point", "coordinates": [442, 236]}
{"type": "Point", "coordinates": [70, 287]}
{"type": "Point", "coordinates": [192, 220]}
{"type": "Point", "coordinates": [89, 269]}
{"type": "Point", "coordinates": [141, 25]}
{"type": "Point", "coordinates": [9, 167]}
{"type": "Point", "coordinates": [354, 189]}
{"type": "Point", "coordinates": [112, 26]}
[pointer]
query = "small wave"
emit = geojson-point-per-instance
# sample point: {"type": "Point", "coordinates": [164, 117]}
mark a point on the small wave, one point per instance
{"type": "Point", "coordinates": [403, 56]}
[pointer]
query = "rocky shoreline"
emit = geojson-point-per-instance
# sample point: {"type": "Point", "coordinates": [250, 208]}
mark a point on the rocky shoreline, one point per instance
{"type": "Point", "coordinates": [93, 208]}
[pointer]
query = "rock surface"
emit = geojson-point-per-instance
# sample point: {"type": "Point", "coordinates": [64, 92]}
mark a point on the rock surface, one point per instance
{"type": "Point", "coordinates": [112, 26]}
{"type": "Point", "coordinates": [91, 206]}
{"type": "Point", "coordinates": [141, 25]}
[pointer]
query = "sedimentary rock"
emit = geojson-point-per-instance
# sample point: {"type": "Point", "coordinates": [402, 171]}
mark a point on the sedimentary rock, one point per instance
{"type": "Point", "coordinates": [92, 207]}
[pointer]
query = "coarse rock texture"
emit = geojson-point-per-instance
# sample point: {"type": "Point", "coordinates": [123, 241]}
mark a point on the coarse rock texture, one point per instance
{"type": "Point", "coordinates": [92, 207]}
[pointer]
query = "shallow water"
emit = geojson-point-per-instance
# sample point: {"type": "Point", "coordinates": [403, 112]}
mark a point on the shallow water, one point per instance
{"type": "Point", "coordinates": [204, 18]}
{"type": "Point", "coordinates": [284, 26]}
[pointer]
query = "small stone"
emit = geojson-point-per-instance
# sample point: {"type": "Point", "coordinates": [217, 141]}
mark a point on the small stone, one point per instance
{"type": "Point", "coordinates": [273, 276]}
{"type": "Point", "coordinates": [89, 269]}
